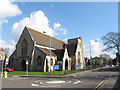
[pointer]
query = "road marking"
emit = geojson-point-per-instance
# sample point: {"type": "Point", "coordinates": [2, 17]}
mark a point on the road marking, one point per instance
{"type": "Point", "coordinates": [68, 82]}
{"type": "Point", "coordinates": [77, 82]}
{"type": "Point", "coordinates": [55, 82]}
{"type": "Point", "coordinates": [51, 86]}
{"type": "Point", "coordinates": [38, 81]}
{"type": "Point", "coordinates": [35, 85]}
{"type": "Point", "coordinates": [104, 81]}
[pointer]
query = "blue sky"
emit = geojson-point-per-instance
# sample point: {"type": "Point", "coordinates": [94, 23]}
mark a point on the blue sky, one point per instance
{"type": "Point", "coordinates": [91, 20]}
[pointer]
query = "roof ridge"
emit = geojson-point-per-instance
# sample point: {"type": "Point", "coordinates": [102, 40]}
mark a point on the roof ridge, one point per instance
{"type": "Point", "coordinates": [45, 34]}
{"type": "Point", "coordinates": [47, 50]}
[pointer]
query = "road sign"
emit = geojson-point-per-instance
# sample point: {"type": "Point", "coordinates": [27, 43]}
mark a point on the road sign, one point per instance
{"type": "Point", "coordinates": [77, 65]}
{"type": "Point", "coordinates": [56, 67]}
{"type": "Point", "coordinates": [1, 60]}
{"type": "Point", "coordinates": [2, 55]}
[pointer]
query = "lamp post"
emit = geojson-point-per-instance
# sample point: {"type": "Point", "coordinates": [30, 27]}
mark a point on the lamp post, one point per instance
{"type": "Point", "coordinates": [90, 51]}
{"type": "Point", "coordinates": [27, 67]}
{"type": "Point", "coordinates": [50, 53]}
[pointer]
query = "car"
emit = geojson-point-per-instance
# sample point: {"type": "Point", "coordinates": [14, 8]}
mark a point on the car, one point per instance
{"type": "Point", "coordinates": [8, 69]}
{"type": "Point", "coordinates": [116, 65]}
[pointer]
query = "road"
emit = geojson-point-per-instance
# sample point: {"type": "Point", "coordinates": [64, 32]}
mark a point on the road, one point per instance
{"type": "Point", "coordinates": [101, 78]}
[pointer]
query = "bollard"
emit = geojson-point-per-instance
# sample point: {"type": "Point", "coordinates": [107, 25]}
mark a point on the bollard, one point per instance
{"type": "Point", "coordinates": [5, 74]}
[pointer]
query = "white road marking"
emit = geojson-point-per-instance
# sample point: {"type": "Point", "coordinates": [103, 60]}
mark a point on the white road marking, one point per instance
{"type": "Point", "coordinates": [55, 82]}
{"type": "Point", "coordinates": [68, 82]}
{"type": "Point", "coordinates": [51, 86]}
{"type": "Point", "coordinates": [77, 82]}
{"type": "Point", "coordinates": [41, 83]}
{"type": "Point", "coordinates": [35, 85]}
{"type": "Point", "coordinates": [38, 81]}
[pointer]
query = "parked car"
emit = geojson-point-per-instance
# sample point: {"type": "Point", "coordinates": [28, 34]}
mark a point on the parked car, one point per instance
{"type": "Point", "coordinates": [8, 69]}
{"type": "Point", "coordinates": [116, 65]}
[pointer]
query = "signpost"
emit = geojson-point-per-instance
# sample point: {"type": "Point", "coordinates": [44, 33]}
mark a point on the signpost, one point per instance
{"type": "Point", "coordinates": [60, 62]}
{"type": "Point", "coordinates": [2, 57]}
{"type": "Point", "coordinates": [77, 65]}
{"type": "Point", "coordinates": [27, 67]}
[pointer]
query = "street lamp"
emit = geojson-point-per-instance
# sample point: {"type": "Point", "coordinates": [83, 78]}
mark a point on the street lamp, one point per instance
{"type": "Point", "coordinates": [90, 52]}
{"type": "Point", "coordinates": [50, 53]}
{"type": "Point", "coordinates": [27, 67]}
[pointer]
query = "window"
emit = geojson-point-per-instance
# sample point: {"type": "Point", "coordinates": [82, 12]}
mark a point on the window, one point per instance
{"type": "Point", "coordinates": [24, 48]}
{"type": "Point", "coordinates": [39, 61]}
{"type": "Point", "coordinates": [51, 62]}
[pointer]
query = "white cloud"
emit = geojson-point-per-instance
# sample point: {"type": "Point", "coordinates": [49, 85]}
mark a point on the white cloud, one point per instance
{"type": "Point", "coordinates": [64, 31]}
{"type": "Point", "coordinates": [9, 44]}
{"type": "Point", "coordinates": [57, 29]}
{"type": "Point", "coordinates": [96, 49]}
{"type": "Point", "coordinates": [57, 25]}
{"type": "Point", "coordinates": [37, 21]}
{"type": "Point", "coordinates": [7, 9]}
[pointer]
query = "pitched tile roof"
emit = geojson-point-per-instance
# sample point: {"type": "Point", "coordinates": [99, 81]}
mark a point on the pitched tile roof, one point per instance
{"type": "Point", "coordinates": [59, 53]}
{"type": "Point", "coordinates": [44, 40]}
{"type": "Point", "coordinates": [46, 51]}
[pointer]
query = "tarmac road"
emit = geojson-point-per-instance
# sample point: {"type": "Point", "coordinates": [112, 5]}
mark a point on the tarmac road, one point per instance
{"type": "Point", "coordinates": [93, 79]}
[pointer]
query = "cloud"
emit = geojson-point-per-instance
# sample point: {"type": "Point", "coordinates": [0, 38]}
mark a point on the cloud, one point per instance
{"type": "Point", "coordinates": [9, 44]}
{"type": "Point", "coordinates": [57, 25]}
{"type": "Point", "coordinates": [8, 9]}
{"type": "Point", "coordinates": [58, 30]}
{"type": "Point", "coordinates": [36, 20]}
{"type": "Point", "coordinates": [96, 49]}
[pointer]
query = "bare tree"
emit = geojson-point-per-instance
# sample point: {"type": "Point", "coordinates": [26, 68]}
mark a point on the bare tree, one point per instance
{"type": "Point", "coordinates": [112, 42]}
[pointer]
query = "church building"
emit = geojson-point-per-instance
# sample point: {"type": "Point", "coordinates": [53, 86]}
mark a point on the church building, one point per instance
{"type": "Point", "coordinates": [34, 47]}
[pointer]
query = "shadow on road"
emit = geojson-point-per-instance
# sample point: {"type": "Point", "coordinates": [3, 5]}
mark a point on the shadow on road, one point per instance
{"type": "Point", "coordinates": [111, 69]}
{"type": "Point", "coordinates": [117, 84]}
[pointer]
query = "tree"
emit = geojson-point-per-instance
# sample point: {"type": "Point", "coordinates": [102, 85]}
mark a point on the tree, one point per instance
{"type": "Point", "coordinates": [112, 41]}
{"type": "Point", "coordinates": [97, 62]}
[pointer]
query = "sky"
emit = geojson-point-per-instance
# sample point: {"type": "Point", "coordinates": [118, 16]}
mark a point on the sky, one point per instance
{"type": "Point", "coordinates": [62, 20]}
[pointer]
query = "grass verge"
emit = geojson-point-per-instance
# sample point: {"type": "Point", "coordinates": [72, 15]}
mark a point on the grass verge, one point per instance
{"type": "Point", "coordinates": [56, 73]}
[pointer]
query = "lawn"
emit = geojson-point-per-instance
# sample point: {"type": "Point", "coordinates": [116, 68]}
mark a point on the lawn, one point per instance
{"type": "Point", "coordinates": [56, 73]}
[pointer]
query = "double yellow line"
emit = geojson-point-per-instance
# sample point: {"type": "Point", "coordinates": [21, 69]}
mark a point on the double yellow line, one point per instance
{"type": "Point", "coordinates": [103, 82]}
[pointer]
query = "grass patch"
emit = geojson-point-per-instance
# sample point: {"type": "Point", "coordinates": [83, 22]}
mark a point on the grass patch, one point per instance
{"type": "Point", "coordinates": [34, 73]}
{"type": "Point", "coordinates": [79, 70]}
{"type": "Point", "coordinates": [56, 73]}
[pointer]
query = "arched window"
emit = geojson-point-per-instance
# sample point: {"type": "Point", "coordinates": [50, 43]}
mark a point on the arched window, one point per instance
{"type": "Point", "coordinates": [24, 48]}
{"type": "Point", "coordinates": [39, 61]}
{"type": "Point", "coordinates": [51, 62]}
